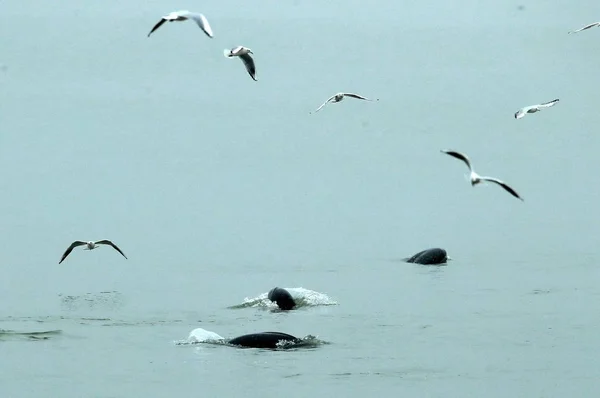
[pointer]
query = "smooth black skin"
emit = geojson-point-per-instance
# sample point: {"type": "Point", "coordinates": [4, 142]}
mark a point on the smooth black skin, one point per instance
{"type": "Point", "coordinates": [429, 257]}
{"type": "Point", "coordinates": [262, 340]}
{"type": "Point", "coordinates": [282, 297]}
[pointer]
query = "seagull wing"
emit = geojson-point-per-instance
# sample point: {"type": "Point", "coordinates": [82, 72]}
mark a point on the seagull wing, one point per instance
{"type": "Point", "coordinates": [356, 96]}
{"type": "Point", "coordinates": [158, 25]}
{"type": "Point", "coordinates": [503, 185]}
{"type": "Point", "coordinates": [202, 23]}
{"type": "Point", "coordinates": [70, 249]}
{"type": "Point", "coordinates": [460, 156]}
{"type": "Point", "coordinates": [586, 27]}
{"type": "Point", "coordinates": [107, 242]}
{"type": "Point", "coordinates": [548, 104]}
{"type": "Point", "coordinates": [249, 64]}
{"type": "Point", "coordinates": [325, 103]}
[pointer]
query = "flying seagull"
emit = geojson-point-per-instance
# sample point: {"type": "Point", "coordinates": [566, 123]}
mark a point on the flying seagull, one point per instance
{"type": "Point", "coordinates": [476, 178]}
{"type": "Point", "coordinates": [184, 16]}
{"type": "Point", "coordinates": [244, 54]}
{"type": "Point", "coordinates": [534, 108]}
{"type": "Point", "coordinates": [340, 96]}
{"type": "Point", "coordinates": [89, 246]}
{"type": "Point", "coordinates": [592, 25]}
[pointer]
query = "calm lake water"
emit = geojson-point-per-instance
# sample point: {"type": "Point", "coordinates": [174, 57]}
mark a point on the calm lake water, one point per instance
{"type": "Point", "coordinates": [219, 188]}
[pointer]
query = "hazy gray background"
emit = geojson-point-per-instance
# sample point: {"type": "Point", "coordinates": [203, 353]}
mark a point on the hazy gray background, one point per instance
{"type": "Point", "coordinates": [219, 188]}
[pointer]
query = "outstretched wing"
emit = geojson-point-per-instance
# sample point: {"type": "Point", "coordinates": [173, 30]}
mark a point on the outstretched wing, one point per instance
{"type": "Point", "coordinates": [548, 104]}
{"type": "Point", "coordinates": [325, 103]}
{"type": "Point", "coordinates": [586, 27]}
{"type": "Point", "coordinates": [107, 242]}
{"type": "Point", "coordinates": [158, 25]}
{"type": "Point", "coordinates": [356, 96]}
{"type": "Point", "coordinates": [70, 249]}
{"type": "Point", "coordinates": [202, 23]}
{"type": "Point", "coordinates": [503, 185]}
{"type": "Point", "coordinates": [249, 64]}
{"type": "Point", "coordinates": [460, 156]}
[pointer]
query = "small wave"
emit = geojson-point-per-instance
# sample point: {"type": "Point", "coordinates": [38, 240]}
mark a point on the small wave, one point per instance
{"type": "Point", "coordinates": [103, 300]}
{"type": "Point", "coordinates": [542, 291]}
{"type": "Point", "coordinates": [302, 297]}
{"type": "Point", "coordinates": [16, 335]}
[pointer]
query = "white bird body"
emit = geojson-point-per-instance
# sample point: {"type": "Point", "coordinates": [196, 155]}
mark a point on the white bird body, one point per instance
{"type": "Point", "coordinates": [592, 25]}
{"type": "Point", "coordinates": [534, 108]}
{"type": "Point", "coordinates": [90, 245]}
{"type": "Point", "coordinates": [184, 15]}
{"type": "Point", "coordinates": [244, 54]}
{"type": "Point", "coordinates": [237, 51]}
{"type": "Point", "coordinates": [476, 178]}
{"type": "Point", "coordinates": [339, 97]}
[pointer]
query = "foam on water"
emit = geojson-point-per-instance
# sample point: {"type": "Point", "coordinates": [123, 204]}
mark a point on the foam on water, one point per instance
{"type": "Point", "coordinates": [303, 298]}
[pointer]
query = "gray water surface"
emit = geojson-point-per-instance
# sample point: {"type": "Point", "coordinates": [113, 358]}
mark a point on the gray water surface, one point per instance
{"type": "Point", "coordinates": [219, 188]}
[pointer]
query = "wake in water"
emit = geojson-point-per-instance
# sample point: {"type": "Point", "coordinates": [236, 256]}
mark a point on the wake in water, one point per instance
{"type": "Point", "coordinates": [270, 340]}
{"type": "Point", "coordinates": [89, 320]}
{"type": "Point", "coordinates": [302, 297]}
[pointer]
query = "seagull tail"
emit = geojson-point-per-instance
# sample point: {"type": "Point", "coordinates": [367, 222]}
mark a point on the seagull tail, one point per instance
{"type": "Point", "coordinates": [227, 53]}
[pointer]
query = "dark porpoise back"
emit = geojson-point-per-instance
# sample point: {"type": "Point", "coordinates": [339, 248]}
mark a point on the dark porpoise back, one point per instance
{"type": "Point", "coordinates": [262, 340]}
{"type": "Point", "coordinates": [429, 256]}
{"type": "Point", "coordinates": [282, 297]}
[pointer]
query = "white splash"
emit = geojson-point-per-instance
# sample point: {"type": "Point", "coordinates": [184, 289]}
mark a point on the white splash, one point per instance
{"type": "Point", "coordinates": [200, 335]}
{"type": "Point", "coordinates": [302, 297]}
